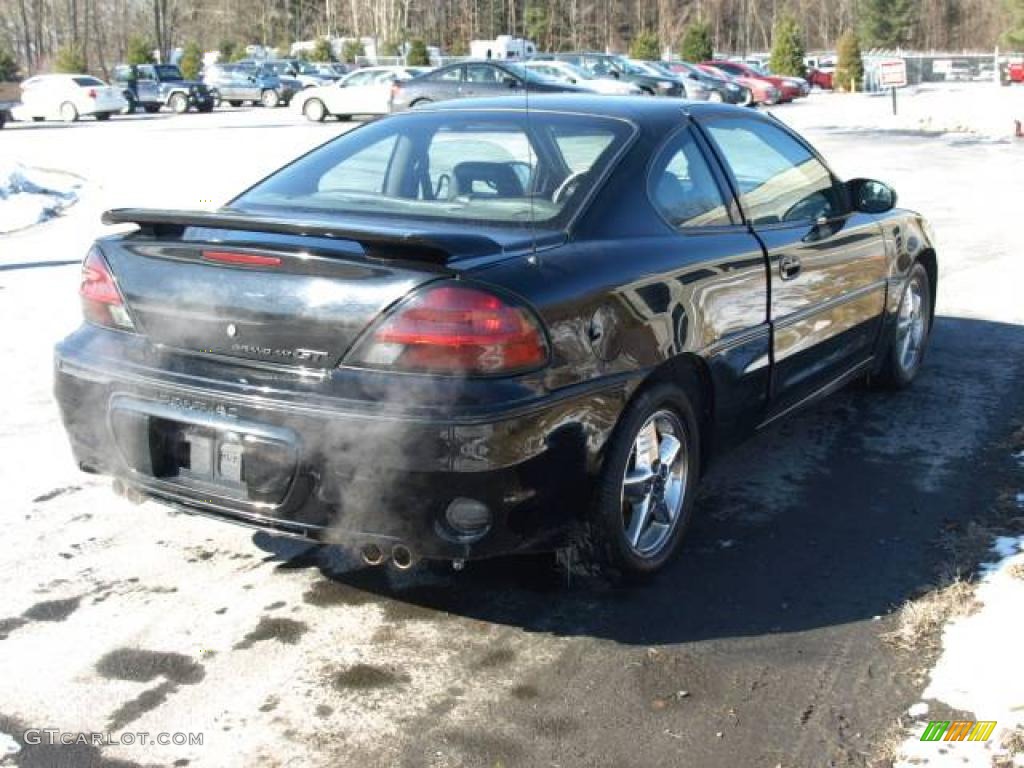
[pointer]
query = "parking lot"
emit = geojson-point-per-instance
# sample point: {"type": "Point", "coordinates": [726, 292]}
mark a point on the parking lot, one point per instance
{"type": "Point", "coordinates": [760, 645]}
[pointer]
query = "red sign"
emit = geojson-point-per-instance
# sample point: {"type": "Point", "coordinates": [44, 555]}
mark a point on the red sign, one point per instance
{"type": "Point", "coordinates": [892, 74]}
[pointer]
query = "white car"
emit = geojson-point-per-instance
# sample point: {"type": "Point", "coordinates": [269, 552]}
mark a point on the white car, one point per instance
{"type": "Point", "coordinates": [366, 91]}
{"type": "Point", "coordinates": [566, 72]}
{"type": "Point", "coordinates": [67, 97]}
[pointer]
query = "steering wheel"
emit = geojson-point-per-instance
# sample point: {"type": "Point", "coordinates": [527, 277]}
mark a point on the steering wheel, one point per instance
{"type": "Point", "coordinates": [564, 188]}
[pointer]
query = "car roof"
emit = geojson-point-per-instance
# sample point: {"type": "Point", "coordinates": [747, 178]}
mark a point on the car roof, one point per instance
{"type": "Point", "coordinates": [625, 107]}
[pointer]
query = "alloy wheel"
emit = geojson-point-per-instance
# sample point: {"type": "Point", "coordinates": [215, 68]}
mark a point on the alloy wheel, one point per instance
{"type": "Point", "coordinates": [911, 324]}
{"type": "Point", "coordinates": [655, 484]}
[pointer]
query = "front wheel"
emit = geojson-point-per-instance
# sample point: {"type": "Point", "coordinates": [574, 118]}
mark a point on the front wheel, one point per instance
{"type": "Point", "coordinates": [314, 110]}
{"type": "Point", "coordinates": [913, 329]}
{"type": "Point", "coordinates": [645, 493]}
{"type": "Point", "coordinates": [269, 99]}
{"type": "Point", "coordinates": [152, 109]}
{"type": "Point", "coordinates": [178, 103]}
{"type": "Point", "coordinates": [68, 112]}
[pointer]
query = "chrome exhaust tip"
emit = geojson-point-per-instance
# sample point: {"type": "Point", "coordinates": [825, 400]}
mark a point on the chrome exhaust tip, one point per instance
{"type": "Point", "coordinates": [372, 554]}
{"type": "Point", "coordinates": [402, 557]}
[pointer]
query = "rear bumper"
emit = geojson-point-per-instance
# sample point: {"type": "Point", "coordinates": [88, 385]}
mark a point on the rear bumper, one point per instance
{"type": "Point", "coordinates": [339, 473]}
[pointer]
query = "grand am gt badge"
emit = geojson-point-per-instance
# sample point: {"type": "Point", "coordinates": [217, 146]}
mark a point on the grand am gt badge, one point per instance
{"type": "Point", "coordinates": [301, 355]}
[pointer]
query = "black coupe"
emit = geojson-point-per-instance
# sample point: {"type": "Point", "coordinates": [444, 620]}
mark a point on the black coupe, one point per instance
{"type": "Point", "coordinates": [476, 329]}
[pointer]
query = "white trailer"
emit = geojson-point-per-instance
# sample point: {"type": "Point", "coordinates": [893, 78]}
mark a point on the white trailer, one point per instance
{"type": "Point", "coordinates": [502, 47]}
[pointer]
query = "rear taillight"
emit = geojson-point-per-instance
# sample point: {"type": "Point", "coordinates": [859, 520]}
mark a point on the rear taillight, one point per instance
{"type": "Point", "coordinates": [92, 93]}
{"type": "Point", "coordinates": [395, 88]}
{"type": "Point", "coordinates": [455, 330]}
{"type": "Point", "coordinates": [102, 302]}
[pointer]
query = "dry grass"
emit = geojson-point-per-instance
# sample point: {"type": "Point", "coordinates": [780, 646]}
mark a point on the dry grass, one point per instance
{"type": "Point", "coordinates": [920, 621]}
{"type": "Point", "coordinates": [1013, 741]}
{"type": "Point", "coordinates": [890, 747]}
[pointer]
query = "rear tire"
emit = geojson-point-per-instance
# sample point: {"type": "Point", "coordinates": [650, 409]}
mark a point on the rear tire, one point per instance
{"type": "Point", "coordinates": [235, 103]}
{"type": "Point", "coordinates": [645, 494]}
{"type": "Point", "coordinates": [178, 103]}
{"type": "Point", "coordinates": [102, 116]}
{"type": "Point", "coordinates": [269, 99]}
{"type": "Point", "coordinates": [68, 112]}
{"type": "Point", "coordinates": [314, 110]}
{"type": "Point", "coordinates": [906, 351]}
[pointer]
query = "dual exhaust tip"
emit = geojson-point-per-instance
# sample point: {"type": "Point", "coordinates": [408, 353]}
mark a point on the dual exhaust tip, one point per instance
{"type": "Point", "coordinates": [401, 556]}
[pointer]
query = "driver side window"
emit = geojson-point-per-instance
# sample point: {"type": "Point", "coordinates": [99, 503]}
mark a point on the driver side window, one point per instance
{"type": "Point", "coordinates": [780, 180]}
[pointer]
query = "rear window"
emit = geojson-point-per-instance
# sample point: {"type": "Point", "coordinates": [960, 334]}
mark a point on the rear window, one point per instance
{"type": "Point", "coordinates": [499, 168]}
{"type": "Point", "coordinates": [88, 82]}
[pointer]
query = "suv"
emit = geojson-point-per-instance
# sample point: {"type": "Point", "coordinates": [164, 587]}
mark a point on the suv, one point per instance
{"type": "Point", "coordinates": [308, 75]}
{"type": "Point", "coordinates": [152, 86]}
{"type": "Point", "coordinates": [610, 65]}
{"type": "Point", "coordinates": [239, 83]}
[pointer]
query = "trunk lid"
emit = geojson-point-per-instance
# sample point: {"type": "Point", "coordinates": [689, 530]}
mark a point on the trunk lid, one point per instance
{"type": "Point", "coordinates": [250, 287]}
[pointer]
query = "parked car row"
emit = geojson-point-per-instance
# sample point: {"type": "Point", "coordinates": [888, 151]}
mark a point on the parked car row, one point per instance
{"type": "Point", "coordinates": [320, 91]}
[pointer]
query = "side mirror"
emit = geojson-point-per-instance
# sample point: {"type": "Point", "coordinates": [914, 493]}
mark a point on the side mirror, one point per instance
{"type": "Point", "coordinates": [870, 196]}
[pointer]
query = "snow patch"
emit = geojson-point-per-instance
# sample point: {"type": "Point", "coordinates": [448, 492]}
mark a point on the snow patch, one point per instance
{"type": "Point", "coordinates": [918, 710]}
{"type": "Point", "coordinates": [979, 670]}
{"type": "Point", "coordinates": [30, 196]}
{"type": "Point", "coordinates": [8, 746]}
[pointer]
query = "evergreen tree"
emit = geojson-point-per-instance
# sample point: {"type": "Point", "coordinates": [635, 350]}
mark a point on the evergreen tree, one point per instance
{"type": "Point", "coordinates": [322, 50]}
{"type": "Point", "coordinates": [645, 47]}
{"type": "Point", "coordinates": [1014, 35]}
{"type": "Point", "coordinates": [389, 48]}
{"type": "Point", "coordinates": [351, 50]}
{"type": "Point", "coordinates": [228, 49]}
{"type": "Point", "coordinates": [8, 65]}
{"type": "Point", "coordinates": [191, 61]}
{"type": "Point", "coordinates": [537, 20]}
{"type": "Point", "coordinates": [787, 49]}
{"type": "Point", "coordinates": [697, 45]}
{"type": "Point", "coordinates": [71, 59]}
{"type": "Point", "coordinates": [417, 56]}
{"type": "Point", "coordinates": [888, 23]}
{"type": "Point", "coordinates": [140, 51]}
{"type": "Point", "coordinates": [850, 68]}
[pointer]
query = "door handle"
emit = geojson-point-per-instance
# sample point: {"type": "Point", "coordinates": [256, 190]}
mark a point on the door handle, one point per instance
{"type": "Point", "coordinates": [789, 267]}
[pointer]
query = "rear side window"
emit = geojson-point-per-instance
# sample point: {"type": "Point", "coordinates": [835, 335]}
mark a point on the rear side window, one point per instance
{"type": "Point", "coordinates": [88, 82]}
{"type": "Point", "coordinates": [780, 180]}
{"type": "Point", "coordinates": [682, 187]}
{"type": "Point", "coordinates": [447, 75]}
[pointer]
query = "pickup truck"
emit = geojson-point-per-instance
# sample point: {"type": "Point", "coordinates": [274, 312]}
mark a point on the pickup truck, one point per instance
{"type": "Point", "coordinates": [9, 93]}
{"type": "Point", "coordinates": [152, 86]}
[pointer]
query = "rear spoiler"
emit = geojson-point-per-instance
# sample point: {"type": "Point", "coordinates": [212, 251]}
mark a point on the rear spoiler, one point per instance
{"type": "Point", "coordinates": [380, 243]}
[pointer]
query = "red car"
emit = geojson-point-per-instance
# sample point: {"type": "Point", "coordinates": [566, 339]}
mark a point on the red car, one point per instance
{"type": "Point", "coordinates": [1017, 72]}
{"type": "Point", "coordinates": [788, 87]}
{"type": "Point", "coordinates": [762, 91]}
{"type": "Point", "coordinates": [821, 78]}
